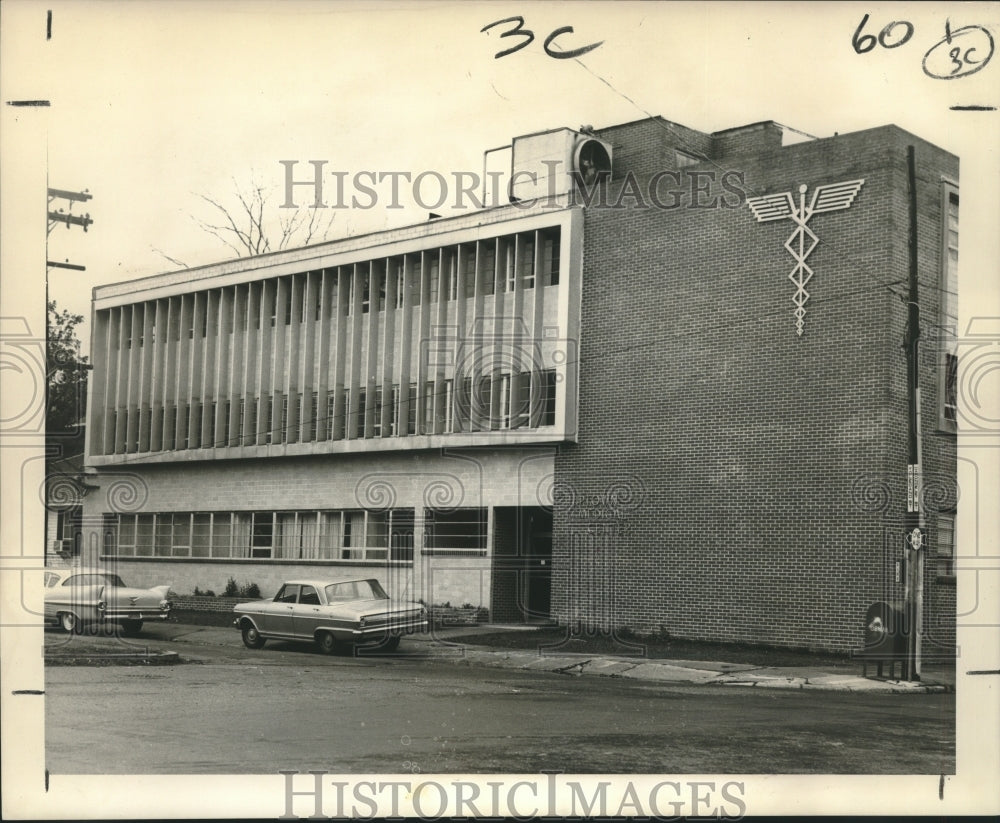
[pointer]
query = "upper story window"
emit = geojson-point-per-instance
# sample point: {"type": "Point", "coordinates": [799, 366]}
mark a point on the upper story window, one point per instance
{"type": "Point", "coordinates": [945, 550]}
{"type": "Point", "coordinates": [416, 277]}
{"type": "Point", "coordinates": [433, 281]}
{"type": "Point", "coordinates": [366, 292]}
{"type": "Point", "coordinates": [488, 267]}
{"type": "Point", "coordinates": [550, 257]}
{"type": "Point", "coordinates": [397, 273]}
{"type": "Point", "coordinates": [507, 270]}
{"type": "Point", "coordinates": [305, 341]}
{"type": "Point", "coordinates": [469, 269]}
{"type": "Point", "coordinates": [528, 262]}
{"type": "Point", "coordinates": [451, 274]}
{"type": "Point", "coordinates": [948, 321]}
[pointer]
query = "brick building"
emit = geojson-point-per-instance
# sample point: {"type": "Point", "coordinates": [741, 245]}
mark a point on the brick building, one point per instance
{"type": "Point", "coordinates": [605, 403]}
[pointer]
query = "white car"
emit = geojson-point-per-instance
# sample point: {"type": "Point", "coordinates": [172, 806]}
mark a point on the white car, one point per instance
{"type": "Point", "coordinates": [330, 613]}
{"type": "Point", "coordinates": [79, 598]}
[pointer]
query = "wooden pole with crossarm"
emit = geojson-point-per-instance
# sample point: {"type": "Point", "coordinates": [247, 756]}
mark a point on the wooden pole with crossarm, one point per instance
{"type": "Point", "coordinates": [914, 540]}
{"type": "Point", "coordinates": [61, 216]}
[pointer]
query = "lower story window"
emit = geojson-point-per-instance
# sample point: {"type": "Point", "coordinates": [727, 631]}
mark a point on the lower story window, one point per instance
{"type": "Point", "coordinates": [460, 531]}
{"type": "Point", "coordinates": [356, 534]}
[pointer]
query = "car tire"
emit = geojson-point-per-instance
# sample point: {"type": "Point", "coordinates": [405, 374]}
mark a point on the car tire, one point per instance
{"type": "Point", "coordinates": [70, 623]}
{"type": "Point", "coordinates": [130, 628]}
{"type": "Point", "coordinates": [251, 637]}
{"type": "Point", "coordinates": [328, 644]}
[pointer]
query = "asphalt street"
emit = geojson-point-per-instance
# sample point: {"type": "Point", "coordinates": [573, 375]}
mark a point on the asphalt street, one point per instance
{"type": "Point", "coordinates": [288, 707]}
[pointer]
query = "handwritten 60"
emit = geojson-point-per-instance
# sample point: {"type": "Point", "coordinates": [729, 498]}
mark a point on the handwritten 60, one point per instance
{"type": "Point", "coordinates": [961, 52]}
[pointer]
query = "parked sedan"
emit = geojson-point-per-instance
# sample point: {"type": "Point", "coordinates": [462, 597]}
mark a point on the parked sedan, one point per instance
{"type": "Point", "coordinates": [78, 598]}
{"type": "Point", "coordinates": [330, 613]}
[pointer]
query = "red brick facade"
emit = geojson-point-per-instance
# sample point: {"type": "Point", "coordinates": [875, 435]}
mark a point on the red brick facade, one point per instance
{"type": "Point", "coordinates": [733, 481]}
{"type": "Point", "coordinates": [711, 473]}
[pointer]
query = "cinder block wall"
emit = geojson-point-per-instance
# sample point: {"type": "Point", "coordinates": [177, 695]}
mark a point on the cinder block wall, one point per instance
{"type": "Point", "coordinates": [752, 480]}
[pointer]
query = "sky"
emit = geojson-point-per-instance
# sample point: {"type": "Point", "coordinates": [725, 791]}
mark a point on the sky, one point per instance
{"type": "Point", "coordinates": [153, 105]}
{"type": "Point", "coordinates": [156, 104]}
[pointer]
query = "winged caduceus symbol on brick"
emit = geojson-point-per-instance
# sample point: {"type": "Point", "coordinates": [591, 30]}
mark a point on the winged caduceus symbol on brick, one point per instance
{"type": "Point", "coordinates": [831, 197]}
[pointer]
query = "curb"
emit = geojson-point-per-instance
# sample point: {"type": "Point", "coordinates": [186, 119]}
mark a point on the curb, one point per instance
{"type": "Point", "coordinates": [96, 659]}
{"type": "Point", "coordinates": [653, 672]}
{"type": "Point", "coordinates": [700, 673]}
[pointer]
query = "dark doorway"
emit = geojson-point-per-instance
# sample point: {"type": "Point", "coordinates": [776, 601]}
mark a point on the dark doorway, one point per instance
{"type": "Point", "coordinates": [522, 564]}
{"type": "Point", "coordinates": [538, 574]}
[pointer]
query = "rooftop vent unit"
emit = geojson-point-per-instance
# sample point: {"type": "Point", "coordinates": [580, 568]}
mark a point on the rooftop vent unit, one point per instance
{"type": "Point", "coordinates": [550, 163]}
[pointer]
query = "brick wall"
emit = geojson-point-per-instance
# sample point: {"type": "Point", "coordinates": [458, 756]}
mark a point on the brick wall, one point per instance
{"type": "Point", "coordinates": [748, 482]}
{"type": "Point", "coordinates": [756, 138]}
{"type": "Point", "coordinates": [207, 604]}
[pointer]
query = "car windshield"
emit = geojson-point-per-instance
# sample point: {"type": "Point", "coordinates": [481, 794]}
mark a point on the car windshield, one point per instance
{"type": "Point", "coordinates": [355, 590]}
{"type": "Point", "coordinates": [94, 580]}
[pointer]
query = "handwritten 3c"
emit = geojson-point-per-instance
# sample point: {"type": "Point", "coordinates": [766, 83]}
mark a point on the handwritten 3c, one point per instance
{"type": "Point", "coordinates": [961, 52]}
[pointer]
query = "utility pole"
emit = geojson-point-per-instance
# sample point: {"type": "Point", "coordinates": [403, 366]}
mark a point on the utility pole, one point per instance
{"type": "Point", "coordinates": [913, 521]}
{"type": "Point", "coordinates": [61, 216]}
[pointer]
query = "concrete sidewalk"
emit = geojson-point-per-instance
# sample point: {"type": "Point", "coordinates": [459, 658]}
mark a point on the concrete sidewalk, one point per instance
{"type": "Point", "coordinates": [448, 642]}
{"type": "Point", "coordinates": [447, 645]}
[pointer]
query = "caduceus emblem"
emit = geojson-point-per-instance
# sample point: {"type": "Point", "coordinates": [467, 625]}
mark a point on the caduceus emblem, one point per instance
{"type": "Point", "coordinates": [831, 197]}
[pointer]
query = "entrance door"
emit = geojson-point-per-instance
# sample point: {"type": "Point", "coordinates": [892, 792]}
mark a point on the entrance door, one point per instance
{"type": "Point", "coordinates": [522, 564]}
{"type": "Point", "coordinates": [538, 576]}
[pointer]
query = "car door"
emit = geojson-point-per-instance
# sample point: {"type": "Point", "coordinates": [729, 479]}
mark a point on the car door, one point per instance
{"type": "Point", "coordinates": [308, 613]}
{"type": "Point", "coordinates": [80, 593]}
{"type": "Point", "coordinates": [276, 617]}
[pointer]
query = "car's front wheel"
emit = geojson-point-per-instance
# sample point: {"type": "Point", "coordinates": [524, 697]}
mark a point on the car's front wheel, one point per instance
{"type": "Point", "coordinates": [130, 628]}
{"type": "Point", "coordinates": [251, 637]}
{"type": "Point", "coordinates": [70, 623]}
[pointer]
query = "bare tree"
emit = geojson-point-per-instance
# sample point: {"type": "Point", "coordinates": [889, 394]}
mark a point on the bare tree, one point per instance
{"type": "Point", "coordinates": [249, 224]}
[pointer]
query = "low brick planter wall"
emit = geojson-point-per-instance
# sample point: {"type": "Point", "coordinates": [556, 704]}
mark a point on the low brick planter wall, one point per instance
{"type": "Point", "coordinates": [207, 604]}
{"type": "Point", "coordinates": [451, 616]}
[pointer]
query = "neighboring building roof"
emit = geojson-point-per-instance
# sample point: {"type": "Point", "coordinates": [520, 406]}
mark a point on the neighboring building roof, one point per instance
{"type": "Point", "coordinates": [72, 465]}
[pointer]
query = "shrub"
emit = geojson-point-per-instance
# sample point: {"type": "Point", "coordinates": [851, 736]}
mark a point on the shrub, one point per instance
{"type": "Point", "coordinates": [232, 588]}
{"type": "Point", "coordinates": [250, 590]}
